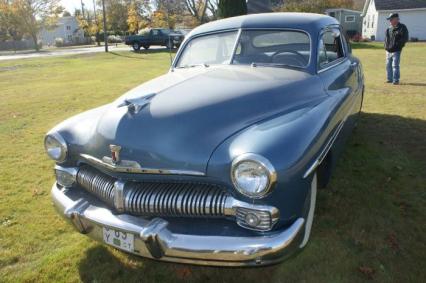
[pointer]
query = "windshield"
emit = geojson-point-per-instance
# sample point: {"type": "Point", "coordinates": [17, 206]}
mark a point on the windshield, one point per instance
{"type": "Point", "coordinates": [208, 50]}
{"type": "Point", "coordinates": [274, 48]}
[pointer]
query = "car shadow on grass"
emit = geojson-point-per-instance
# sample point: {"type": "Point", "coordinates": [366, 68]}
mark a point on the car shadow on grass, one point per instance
{"type": "Point", "coordinates": [104, 264]}
{"type": "Point", "coordinates": [363, 227]}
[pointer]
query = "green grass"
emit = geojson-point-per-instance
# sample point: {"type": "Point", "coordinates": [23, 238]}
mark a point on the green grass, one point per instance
{"type": "Point", "coordinates": [369, 224]}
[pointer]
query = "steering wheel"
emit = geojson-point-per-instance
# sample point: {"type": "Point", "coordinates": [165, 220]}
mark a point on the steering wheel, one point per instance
{"type": "Point", "coordinates": [299, 55]}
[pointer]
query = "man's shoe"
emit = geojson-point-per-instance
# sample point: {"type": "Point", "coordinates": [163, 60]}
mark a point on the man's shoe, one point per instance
{"type": "Point", "coordinates": [388, 82]}
{"type": "Point", "coordinates": [396, 83]}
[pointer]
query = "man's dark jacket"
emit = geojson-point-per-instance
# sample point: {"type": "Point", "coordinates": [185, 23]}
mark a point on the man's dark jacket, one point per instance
{"type": "Point", "coordinates": [396, 37]}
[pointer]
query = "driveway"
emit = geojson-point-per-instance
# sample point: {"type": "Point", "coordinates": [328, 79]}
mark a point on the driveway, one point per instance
{"type": "Point", "coordinates": [66, 51]}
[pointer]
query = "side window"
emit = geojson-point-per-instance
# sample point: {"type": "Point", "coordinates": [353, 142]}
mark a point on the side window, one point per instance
{"type": "Point", "coordinates": [154, 32]}
{"type": "Point", "coordinates": [330, 47]}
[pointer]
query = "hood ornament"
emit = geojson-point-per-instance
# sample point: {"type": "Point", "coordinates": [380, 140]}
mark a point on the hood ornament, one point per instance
{"type": "Point", "coordinates": [115, 153]}
{"type": "Point", "coordinates": [135, 105]}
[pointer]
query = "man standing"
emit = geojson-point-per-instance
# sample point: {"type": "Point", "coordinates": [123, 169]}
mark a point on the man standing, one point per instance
{"type": "Point", "coordinates": [396, 37]}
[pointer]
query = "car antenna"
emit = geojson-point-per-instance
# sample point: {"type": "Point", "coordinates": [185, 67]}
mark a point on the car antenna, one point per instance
{"type": "Point", "coordinates": [170, 51]}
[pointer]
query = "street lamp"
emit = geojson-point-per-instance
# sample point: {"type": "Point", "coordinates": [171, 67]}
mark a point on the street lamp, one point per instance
{"type": "Point", "coordinates": [105, 27]}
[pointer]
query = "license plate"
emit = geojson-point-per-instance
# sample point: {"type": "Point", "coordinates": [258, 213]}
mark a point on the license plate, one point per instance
{"type": "Point", "coordinates": [118, 239]}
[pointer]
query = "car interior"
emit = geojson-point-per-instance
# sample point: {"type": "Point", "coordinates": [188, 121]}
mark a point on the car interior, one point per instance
{"type": "Point", "coordinates": [288, 48]}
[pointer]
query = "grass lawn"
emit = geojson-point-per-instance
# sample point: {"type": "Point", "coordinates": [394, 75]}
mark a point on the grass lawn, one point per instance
{"type": "Point", "coordinates": [369, 224]}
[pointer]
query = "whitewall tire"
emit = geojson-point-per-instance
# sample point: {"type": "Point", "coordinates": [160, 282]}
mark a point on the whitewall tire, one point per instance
{"type": "Point", "coordinates": [311, 212]}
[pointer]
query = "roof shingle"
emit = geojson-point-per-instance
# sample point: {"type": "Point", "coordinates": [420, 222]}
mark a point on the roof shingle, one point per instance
{"type": "Point", "coordinates": [399, 4]}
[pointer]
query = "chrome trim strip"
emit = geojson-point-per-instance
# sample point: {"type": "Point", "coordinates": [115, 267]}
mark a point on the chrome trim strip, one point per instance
{"type": "Point", "coordinates": [129, 166]}
{"type": "Point", "coordinates": [328, 145]}
{"type": "Point", "coordinates": [153, 239]}
{"type": "Point", "coordinates": [119, 195]}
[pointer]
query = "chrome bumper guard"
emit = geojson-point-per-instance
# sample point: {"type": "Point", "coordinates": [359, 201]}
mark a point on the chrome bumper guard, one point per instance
{"type": "Point", "coordinates": [153, 239]}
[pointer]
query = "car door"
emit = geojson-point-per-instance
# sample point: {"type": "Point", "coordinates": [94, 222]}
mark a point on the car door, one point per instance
{"type": "Point", "coordinates": [338, 71]}
{"type": "Point", "coordinates": [156, 37]}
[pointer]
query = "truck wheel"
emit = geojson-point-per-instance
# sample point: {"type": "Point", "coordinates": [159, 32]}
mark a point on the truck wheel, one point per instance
{"type": "Point", "coordinates": [310, 212]}
{"type": "Point", "coordinates": [136, 46]}
{"type": "Point", "coordinates": [146, 47]}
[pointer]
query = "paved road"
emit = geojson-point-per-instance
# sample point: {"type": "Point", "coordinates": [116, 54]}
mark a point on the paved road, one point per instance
{"type": "Point", "coordinates": [66, 51]}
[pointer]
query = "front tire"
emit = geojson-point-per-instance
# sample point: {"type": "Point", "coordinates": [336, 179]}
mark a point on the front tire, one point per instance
{"type": "Point", "coordinates": [136, 46]}
{"type": "Point", "coordinates": [311, 211]}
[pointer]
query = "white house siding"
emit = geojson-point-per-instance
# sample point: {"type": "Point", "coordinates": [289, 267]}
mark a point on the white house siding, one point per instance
{"type": "Point", "coordinates": [369, 23]}
{"type": "Point", "coordinates": [374, 23]}
{"type": "Point", "coordinates": [415, 21]}
{"type": "Point", "coordinates": [67, 28]}
{"type": "Point", "coordinates": [382, 25]}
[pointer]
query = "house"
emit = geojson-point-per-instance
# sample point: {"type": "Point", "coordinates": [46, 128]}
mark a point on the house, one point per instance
{"type": "Point", "coordinates": [411, 12]}
{"type": "Point", "coordinates": [66, 28]}
{"type": "Point", "coordinates": [258, 6]}
{"type": "Point", "coordinates": [350, 20]}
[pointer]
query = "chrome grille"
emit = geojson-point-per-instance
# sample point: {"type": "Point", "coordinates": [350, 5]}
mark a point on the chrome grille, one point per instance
{"type": "Point", "coordinates": [157, 198]}
{"type": "Point", "coordinates": [193, 200]}
{"type": "Point", "coordinates": [96, 183]}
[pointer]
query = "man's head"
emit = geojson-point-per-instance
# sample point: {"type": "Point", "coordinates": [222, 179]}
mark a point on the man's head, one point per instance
{"type": "Point", "coordinates": [393, 19]}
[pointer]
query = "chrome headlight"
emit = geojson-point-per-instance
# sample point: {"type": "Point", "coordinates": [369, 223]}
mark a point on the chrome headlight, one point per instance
{"type": "Point", "coordinates": [253, 175]}
{"type": "Point", "coordinates": [56, 147]}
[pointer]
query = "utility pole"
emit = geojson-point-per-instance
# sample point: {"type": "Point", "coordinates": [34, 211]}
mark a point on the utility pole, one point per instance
{"type": "Point", "coordinates": [105, 27]}
{"type": "Point", "coordinates": [96, 23]}
{"type": "Point", "coordinates": [82, 9]}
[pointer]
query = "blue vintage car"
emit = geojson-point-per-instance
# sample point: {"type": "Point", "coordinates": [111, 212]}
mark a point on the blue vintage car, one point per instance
{"type": "Point", "coordinates": [218, 161]}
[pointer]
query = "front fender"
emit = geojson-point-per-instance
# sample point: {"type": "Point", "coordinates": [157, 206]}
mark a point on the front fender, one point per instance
{"type": "Point", "coordinates": [290, 142]}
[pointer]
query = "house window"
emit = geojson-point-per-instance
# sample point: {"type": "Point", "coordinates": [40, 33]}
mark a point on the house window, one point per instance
{"type": "Point", "coordinates": [69, 37]}
{"type": "Point", "coordinates": [349, 19]}
{"type": "Point", "coordinates": [68, 27]}
{"type": "Point", "coordinates": [372, 22]}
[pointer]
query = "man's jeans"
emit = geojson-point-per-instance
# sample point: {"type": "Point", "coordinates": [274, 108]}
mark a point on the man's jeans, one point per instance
{"type": "Point", "coordinates": [392, 65]}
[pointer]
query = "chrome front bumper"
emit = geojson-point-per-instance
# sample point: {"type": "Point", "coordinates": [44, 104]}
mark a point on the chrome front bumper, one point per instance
{"type": "Point", "coordinates": [153, 238]}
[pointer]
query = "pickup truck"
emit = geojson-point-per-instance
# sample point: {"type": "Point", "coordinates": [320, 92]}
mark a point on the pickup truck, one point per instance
{"type": "Point", "coordinates": [156, 36]}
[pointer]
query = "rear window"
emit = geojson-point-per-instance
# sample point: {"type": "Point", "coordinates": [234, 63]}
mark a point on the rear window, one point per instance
{"type": "Point", "coordinates": [267, 39]}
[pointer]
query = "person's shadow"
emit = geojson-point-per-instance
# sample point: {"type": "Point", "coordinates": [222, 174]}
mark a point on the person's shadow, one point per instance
{"type": "Point", "coordinates": [414, 84]}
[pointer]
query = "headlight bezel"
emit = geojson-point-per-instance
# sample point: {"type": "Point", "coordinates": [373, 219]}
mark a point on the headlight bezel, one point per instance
{"type": "Point", "coordinates": [260, 160]}
{"type": "Point", "coordinates": [63, 146]}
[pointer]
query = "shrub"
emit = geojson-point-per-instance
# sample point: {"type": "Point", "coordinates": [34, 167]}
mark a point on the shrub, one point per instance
{"type": "Point", "coordinates": [114, 39]}
{"type": "Point", "coordinates": [59, 42]}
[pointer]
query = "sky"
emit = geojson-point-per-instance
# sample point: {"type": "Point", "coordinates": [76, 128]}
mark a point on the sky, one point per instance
{"type": "Point", "coordinates": [71, 5]}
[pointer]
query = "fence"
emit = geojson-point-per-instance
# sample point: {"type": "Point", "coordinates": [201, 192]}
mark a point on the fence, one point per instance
{"type": "Point", "coordinates": [16, 45]}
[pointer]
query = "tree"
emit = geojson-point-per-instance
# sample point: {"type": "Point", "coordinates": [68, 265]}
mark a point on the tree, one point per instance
{"type": "Point", "coordinates": [197, 8]}
{"type": "Point", "coordinates": [116, 15]}
{"type": "Point", "coordinates": [137, 14]}
{"type": "Point", "coordinates": [168, 11]}
{"type": "Point", "coordinates": [231, 8]}
{"type": "Point", "coordinates": [33, 15]}
{"type": "Point", "coordinates": [212, 8]}
{"type": "Point", "coordinates": [66, 14]}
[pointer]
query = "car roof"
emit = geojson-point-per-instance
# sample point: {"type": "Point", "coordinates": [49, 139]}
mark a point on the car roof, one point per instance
{"type": "Point", "coordinates": [304, 21]}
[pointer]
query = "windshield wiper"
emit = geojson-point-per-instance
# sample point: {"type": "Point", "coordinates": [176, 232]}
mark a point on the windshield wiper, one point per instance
{"type": "Point", "coordinates": [192, 66]}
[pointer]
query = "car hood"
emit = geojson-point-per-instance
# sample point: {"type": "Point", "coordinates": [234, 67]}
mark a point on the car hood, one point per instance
{"type": "Point", "coordinates": [187, 113]}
